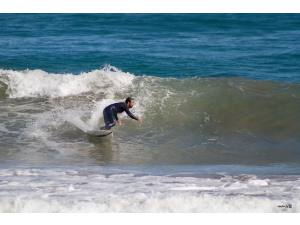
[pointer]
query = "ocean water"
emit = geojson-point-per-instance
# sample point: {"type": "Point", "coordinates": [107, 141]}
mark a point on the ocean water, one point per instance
{"type": "Point", "coordinates": [219, 95]}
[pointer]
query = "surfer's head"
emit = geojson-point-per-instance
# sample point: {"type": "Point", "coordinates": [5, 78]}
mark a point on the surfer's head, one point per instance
{"type": "Point", "coordinates": [129, 102]}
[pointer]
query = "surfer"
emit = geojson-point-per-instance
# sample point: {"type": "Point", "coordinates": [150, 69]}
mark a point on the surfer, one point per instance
{"type": "Point", "coordinates": [110, 113]}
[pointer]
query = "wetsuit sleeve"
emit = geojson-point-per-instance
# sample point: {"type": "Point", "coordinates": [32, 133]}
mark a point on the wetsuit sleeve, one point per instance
{"type": "Point", "coordinates": [130, 114]}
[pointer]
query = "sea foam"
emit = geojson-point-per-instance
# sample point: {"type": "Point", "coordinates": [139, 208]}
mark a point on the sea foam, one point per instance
{"type": "Point", "coordinates": [39, 83]}
{"type": "Point", "coordinates": [89, 190]}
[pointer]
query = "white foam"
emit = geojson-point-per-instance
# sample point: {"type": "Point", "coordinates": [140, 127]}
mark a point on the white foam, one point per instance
{"type": "Point", "coordinates": [77, 121]}
{"type": "Point", "coordinates": [38, 83]}
{"type": "Point", "coordinates": [88, 190]}
{"type": "Point", "coordinates": [256, 182]}
{"type": "Point", "coordinates": [192, 188]}
{"type": "Point", "coordinates": [97, 113]}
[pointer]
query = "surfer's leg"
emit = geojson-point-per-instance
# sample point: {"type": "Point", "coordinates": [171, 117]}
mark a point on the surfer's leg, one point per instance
{"type": "Point", "coordinates": [108, 126]}
{"type": "Point", "coordinates": [108, 119]}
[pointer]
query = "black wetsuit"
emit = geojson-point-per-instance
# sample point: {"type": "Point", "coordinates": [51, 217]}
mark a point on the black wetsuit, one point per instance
{"type": "Point", "coordinates": [110, 114]}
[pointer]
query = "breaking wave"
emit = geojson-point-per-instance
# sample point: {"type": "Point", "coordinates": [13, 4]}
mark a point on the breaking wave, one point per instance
{"type": "Point", "coordinates": [214, 120]}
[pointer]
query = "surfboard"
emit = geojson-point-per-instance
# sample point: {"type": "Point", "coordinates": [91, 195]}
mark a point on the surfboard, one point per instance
{"type": "Point", "coordinates": [99, 133]}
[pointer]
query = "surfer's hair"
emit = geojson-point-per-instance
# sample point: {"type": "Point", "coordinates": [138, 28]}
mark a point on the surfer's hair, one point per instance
{"type": "Point", "coordinates": [129, 99]}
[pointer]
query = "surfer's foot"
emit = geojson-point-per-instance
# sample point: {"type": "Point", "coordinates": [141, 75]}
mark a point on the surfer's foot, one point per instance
{"type": "Point", "coordinates": [104, 128]}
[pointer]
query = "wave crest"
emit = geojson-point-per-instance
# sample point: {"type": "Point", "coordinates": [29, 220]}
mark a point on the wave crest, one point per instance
{"type": "Point", "coordinates": [38, 83]}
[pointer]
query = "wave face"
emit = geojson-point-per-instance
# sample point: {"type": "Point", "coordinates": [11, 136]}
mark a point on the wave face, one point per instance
{"type": "Point", "coordinates": [191, 120]}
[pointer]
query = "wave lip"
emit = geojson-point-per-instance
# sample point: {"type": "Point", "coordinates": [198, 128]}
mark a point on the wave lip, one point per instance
{"type": "Point", "coordinates": [38, 83]}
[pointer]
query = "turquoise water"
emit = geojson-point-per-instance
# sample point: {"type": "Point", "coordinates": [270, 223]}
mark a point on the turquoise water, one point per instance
{"type": "Point", "coordinates": [219, 95]}
{"type": "Point", "coordinates": [257, 46]}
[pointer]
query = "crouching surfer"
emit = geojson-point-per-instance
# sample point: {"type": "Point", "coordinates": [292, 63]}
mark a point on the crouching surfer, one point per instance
{"type": "Point", "coordinates": [110, 113]}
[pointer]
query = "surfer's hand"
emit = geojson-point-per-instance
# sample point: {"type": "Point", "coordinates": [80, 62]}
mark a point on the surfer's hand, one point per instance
{"type": "Point", "coordinates": [140, 119]}
{"type": "Point", "coordinates": [119, 122]}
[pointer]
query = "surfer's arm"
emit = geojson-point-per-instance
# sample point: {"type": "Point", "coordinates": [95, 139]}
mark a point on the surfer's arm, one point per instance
{"type": "Point", "coordinates": [130, 114]}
